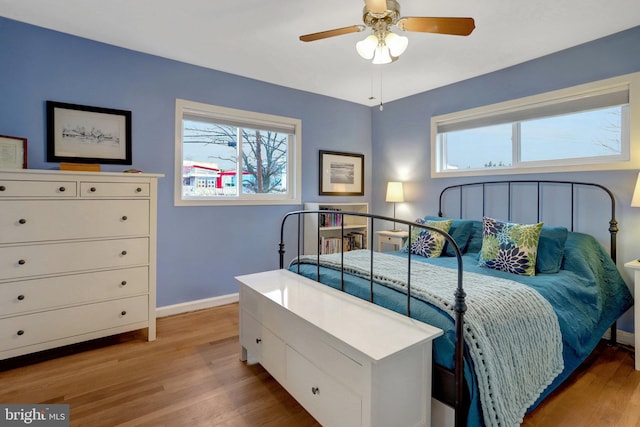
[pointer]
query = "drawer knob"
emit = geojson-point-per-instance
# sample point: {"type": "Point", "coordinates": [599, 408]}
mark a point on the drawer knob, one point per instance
{"type": "Point", "coordinates": [315, 390]}
{"type": "Point", "coordinates": [20, 332]}
{"type": "Point", "coordinates": [2, 188]}
{"type": "Point", "coordinates": [22, 262]}
{"type": "Point", "coordinates": [123, 253]}
{"type": "Point", "coordinates": [20, 297]}
{"type": "Point", "coordinates": [123, 283]}
{"type": "Point", "coordinates": [92, 189]}
{"type": "Point", "coordinates": [124, 217]}
{"type": "Point", "coordinates": [123, 313]}
{"type": "Point", "coordinates": [258, 340]}
{"type": "Point", "coordinates": [22, 221]}
{"type": "Point", "coordinates": [62, 189]}
{"type": "Point", "coordinates": [138, 190]}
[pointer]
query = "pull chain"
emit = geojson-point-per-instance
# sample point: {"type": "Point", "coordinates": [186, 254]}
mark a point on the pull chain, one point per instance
{"type": "Point", "coordinates": [381, 106]}
{"type": "Point", "coordinates": [371, 97]}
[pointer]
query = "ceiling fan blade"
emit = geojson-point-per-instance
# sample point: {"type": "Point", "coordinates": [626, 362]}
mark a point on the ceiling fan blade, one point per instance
{"type": "Point", "coordinates": [453, 26]}
{"type": "Point", "coordinates": [376, 6]}
{"type": "Point", "coordinates": [332, 33]}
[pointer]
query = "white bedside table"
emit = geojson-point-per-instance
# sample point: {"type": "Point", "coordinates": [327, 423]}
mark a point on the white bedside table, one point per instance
{"type": "Point", "coordinates": [396, 238]}
{"type": "Point", "coordinates": [635, 267]}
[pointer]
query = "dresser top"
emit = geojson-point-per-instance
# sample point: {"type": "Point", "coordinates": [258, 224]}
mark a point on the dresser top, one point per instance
{"type": "Point", "coordinates": [24, 173]}
{"type": "Point", "coordinates": [370, 329]}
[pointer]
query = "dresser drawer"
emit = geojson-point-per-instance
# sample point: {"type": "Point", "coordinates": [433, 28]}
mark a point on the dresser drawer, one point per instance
{"type": "Point", "coordinates": [56, 258]}
{"type": "Point", "coordinates": [10, 188]}
{"type": "Point", "coordinates": [53, 292]}
{"type": "Point", "coordinates": [51, 325]}
{"type": "Point", "coordinates": [112, 189]}
{"type": "Point", "coordinates": [38, 220]}
{"type": "Point", "coordinates": [326, 399]}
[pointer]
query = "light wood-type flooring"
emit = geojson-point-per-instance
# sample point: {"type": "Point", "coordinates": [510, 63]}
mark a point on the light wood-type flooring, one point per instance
{"type": "Point", "coordinates": [192, 376]}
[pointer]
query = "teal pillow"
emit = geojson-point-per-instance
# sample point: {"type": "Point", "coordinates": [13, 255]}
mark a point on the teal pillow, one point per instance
{"type": "Point", "coordinates": [460, 231]}
{"type": "Point", "coordinates": [509, 247]}
{"type": "Point", "coordinates": [475, 241]}
{"type": "Point", "coordinates": [551, 249]}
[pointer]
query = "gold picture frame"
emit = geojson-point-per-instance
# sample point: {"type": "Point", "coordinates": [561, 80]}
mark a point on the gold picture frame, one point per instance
{"type": "Point", "coordinates": [13, 152]}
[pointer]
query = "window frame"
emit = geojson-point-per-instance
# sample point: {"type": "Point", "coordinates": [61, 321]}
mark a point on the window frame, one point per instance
{"type": "Point", "coordinates": [629, 159]}
{"type": "Point", "coordinates": [248, 119]}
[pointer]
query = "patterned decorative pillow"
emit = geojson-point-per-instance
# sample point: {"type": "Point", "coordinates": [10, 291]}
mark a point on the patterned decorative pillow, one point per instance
{"type": "Point", "coordinates": [509, 247]}
{"type": "Point", "coordinates": [425, 243]}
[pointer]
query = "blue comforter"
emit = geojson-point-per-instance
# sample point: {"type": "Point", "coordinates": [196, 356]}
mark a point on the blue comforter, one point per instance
{"type": "Point", "coordinates": [588, 295]}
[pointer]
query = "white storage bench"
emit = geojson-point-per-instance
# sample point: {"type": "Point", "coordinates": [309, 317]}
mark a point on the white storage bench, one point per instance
{"type": "Point", "coordinates": [346, 361]}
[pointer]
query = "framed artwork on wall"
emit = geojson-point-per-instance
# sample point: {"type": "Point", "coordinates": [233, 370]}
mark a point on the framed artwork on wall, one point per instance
{"type": "Point", "coordinates": [83, 134]}
{"type": "Point", "coordinates": [13, 152]}
{"type": "Point", "coordinates": [341, 174]}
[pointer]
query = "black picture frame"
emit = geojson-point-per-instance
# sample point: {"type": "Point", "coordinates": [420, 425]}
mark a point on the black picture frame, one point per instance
{"type": "Point", "coordinates": [85, 134]}
{"type": "Point", "coordinates": [341, 174]}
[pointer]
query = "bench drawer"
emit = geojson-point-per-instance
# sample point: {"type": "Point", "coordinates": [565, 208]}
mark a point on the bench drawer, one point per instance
{"type": "Point", "coordinates": [327, 400]}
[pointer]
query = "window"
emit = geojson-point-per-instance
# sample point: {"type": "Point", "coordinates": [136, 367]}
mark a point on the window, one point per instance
{"type": "Point", "coordinates": [587, 127]}
{"type": "Point", "coordinates": [226, 156]}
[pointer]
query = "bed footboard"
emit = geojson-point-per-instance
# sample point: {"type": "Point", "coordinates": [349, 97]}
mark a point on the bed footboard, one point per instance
{"type": "Point", "coordinates": [455, 392]}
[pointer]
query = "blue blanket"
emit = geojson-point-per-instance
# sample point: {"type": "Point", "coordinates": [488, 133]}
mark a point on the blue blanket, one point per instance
{"type": "Point", "coordinates": [588, 295]}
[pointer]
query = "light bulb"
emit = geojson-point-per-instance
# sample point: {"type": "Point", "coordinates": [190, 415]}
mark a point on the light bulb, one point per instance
{"type": "Point", "coordinates": [397, 44]}
{"type": "Point", "coordinates": [381, 55]}
{"type": "Point", "coordinates": [366, 48]}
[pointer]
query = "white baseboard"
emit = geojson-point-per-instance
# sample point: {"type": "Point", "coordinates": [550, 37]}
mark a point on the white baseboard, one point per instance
{"type": "Point", "coordinates": [622, 337]}
{"type": "Point", "coordinates": [185, 307]}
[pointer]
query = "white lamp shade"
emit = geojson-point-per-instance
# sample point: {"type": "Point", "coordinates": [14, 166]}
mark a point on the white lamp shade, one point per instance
{"type": "Point", "coordinates": [395, 192]}
{"type": "Point", "coordinates": [381, 55]}
{"type": "Point", "coordinates": [367, 47]}
{"type": "Point", "coordinates": [397, 44]}
{"type": "Point", "coordinates": [635, 200]}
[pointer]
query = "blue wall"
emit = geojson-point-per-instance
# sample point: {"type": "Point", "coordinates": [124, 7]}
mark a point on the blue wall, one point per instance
{"type": "Point", "coordinates": [401, 133]}
{"type": "Point", "coordinates": [200, 249]}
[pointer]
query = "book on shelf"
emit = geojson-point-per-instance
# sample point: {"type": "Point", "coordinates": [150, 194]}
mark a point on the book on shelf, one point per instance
{"type": "Point", "coordinates": [332, 218]}
{"type": "Point", "coordinates": [352, 241]}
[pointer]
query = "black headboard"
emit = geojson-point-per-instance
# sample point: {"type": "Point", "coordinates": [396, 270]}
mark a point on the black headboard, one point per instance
{"type": "Point", "coordinates": [482, 188]}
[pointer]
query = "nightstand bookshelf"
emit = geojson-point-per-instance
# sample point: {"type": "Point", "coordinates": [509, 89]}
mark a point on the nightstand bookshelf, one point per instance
{"type": "Point", "coordinates": [330, 233]}
{"type": "Point", "coordinates": [394, 238]}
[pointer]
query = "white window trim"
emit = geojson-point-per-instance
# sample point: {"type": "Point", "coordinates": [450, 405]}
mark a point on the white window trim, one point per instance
{"type": "Point", "coordinates": [294, 160]}
{"type": "Point", "coordinates": [632, 81]}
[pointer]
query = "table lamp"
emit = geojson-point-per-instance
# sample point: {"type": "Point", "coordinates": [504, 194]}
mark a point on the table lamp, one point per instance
{"type": "Point", "coordinates": [635, 200]}
{"type": "Point", "coordinates": [395, 194]}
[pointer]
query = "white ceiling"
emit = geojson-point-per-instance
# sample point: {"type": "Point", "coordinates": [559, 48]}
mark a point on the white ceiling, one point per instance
{"type": "Point", "coordinates": [259, 38]}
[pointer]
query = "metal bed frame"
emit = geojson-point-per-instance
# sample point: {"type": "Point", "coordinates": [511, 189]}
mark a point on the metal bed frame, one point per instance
{"type": "Point", "coordinates": [449, 386]}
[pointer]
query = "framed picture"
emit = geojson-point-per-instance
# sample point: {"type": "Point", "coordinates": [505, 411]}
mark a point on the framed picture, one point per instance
{"type": "Point", "coordinates": [82, 134]}
{"type": "Point", "coordinates": [341, 174]}
{"type": "Point", "coordinates": [13, 152]}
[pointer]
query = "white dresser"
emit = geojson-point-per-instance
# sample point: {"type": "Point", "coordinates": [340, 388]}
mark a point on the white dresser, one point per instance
{"type": "Point", "coordinates": [346, 361]}
{"type": "Point", "coordinates": [77, 257]}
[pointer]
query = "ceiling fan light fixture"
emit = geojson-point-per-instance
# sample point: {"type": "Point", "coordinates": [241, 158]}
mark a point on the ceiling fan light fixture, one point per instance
{"type": "Point", "coordinates": [381, 55]}
{"type": "Point", "coordinates": [366, 48]}
{"type": "Point", "coordinates": [397, 44]}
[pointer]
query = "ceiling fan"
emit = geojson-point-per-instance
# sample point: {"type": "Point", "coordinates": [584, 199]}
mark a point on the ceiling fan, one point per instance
{"type": "Point", "coordinates": [385, 46]}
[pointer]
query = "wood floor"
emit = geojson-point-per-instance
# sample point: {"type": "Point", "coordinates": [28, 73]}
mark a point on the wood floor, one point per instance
{"type": "Point", "coordinates": [191, 376]}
